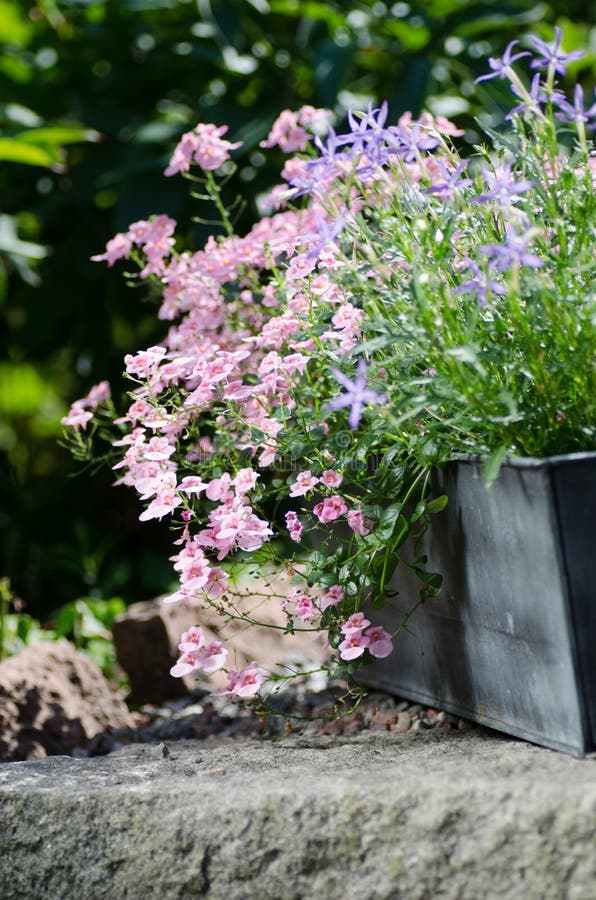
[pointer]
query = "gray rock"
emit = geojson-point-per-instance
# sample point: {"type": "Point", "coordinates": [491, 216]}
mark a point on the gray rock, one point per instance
{"type": "Point", "coordinates": [374, 817]}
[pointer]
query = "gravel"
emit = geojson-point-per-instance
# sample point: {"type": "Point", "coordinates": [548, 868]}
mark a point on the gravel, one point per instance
{"type": "Point", "coordinates": [331, 710]}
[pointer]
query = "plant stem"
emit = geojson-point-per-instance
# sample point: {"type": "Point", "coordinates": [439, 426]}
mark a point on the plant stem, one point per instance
{"type": "Point", "coordinates": [5, 598]}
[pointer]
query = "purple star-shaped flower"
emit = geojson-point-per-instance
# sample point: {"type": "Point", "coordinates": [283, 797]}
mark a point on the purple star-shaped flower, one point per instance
{"type": "Point", "coordinates": [550, 56]}
{"type": "Point", "coordinates": [410, 141]}
{"type": "Point", "coordinates": [502, 66]}
{"type": "Point", "coordinates": [368, 135]}
{"type": "Point", "coordinates": [480, 282]}
{"type": "Point", "coordinates": [325, 235]}
{"type": "Point", "coordinates": [530, 103]}
{"type": "Point", "coordinates": [513, 251]}
{"type": "Point", "coordinates": [356, 396]}
{"type": "Point", "coordinates": [503, 186]}
{"type": "Point", "coordinates": [577, 112]}
{"type": "Point", "coordinates": [452, 180]}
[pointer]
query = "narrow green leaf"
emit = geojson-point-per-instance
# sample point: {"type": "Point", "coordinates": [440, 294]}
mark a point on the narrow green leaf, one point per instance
{"type": "Point", "coordinates": [492, 466]}
{"type": "Point", "coordinates": [58, 135]}
{"type": "Point", "coordinates": [28, 154]}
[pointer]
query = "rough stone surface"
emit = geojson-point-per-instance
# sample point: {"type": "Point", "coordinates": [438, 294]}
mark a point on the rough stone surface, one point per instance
{"type": "Point", "coordinates": [53, 699]}
{"type": "Point", "coordinates": [147, 635]}
{"type": "Point", "coordinates": [146, 638]}
{"type": "Point", "coordinates": [459, 815]}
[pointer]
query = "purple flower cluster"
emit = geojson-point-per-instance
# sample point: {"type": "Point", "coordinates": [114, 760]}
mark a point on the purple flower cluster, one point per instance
{"type": "Point", "coordinates": [368, 145]}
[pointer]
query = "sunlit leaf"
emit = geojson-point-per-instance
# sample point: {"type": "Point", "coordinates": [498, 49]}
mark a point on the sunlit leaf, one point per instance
{"type": "Point", "coordinates": [19, 151]}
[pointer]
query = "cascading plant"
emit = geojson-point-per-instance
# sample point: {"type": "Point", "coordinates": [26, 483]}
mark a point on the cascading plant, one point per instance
{"type": "Point", "coordinates": [397, 307]}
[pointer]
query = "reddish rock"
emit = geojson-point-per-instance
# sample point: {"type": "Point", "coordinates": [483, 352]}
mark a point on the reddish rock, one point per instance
{"type": "Point", "coordinates": [383, 720]}
{"type": "Point", "coordinates": [53, 699]}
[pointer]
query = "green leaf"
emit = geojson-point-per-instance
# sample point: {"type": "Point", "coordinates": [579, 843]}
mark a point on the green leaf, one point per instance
{"type": "Point", "coordinates": [58, 135]}
{"type": "Point", "coordinates": [467, 354]}
{"type": "Point", "coordinates": [378, 600]}
{"type": "Point", "coordinates": [438, 504]}
{"type": "Point", "coordinates": [492, 466]}
{"type": "Point", "coordinates": [418, 511]}
{"type": "Point", "coordinates": [15, 27]}
{"type": "Point", "coordinates": [389, 516]}
{"type": "Point", "coordinates": [12, 150]}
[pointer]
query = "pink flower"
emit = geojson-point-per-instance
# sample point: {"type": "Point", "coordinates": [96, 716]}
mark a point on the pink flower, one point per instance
{"type": "Point", "coordinates": [330, 509]}
{"type": "Point", "coordinates": [305, 608]}
{"type": "Point", "coordinates": [219, 488]}
{"type": "Point", "coordinates": [144, 363]}
{"type": "Point", "coordinates": [98, 394]}
{"type": "Point", "coordinates": [77, 417]}
{"type": "Point", "coordinates": [304, 483]}
{"type": "Point", "coordinates": [243, 684]}
{"type": "Point", "coordinates": [294, 526]}
{"type": "Point", "coordinates": [245, 481]}
{"type": "Point", "coordinates": [332, 597]}
{"type": "Point", "coordinates": [187, 663]}
{"type": "Point", "coordinates": [191, 484]}
{"type": "Point", "coordinates": [379, 642]}
{"type": "Point", "coordinates": [117, 248]}
{"type": "Point", "coordinates": [164, 504]}
{"type": "Point", "coordinates": [216, 584]}
{"type": "Point", "coordinates": [190, 647]}
{"type": "Point", "coordinates": [192, 639]}
{"type": "Point", "coordinates": [158, 448]}
{"type": "Point", "coordinates": [331, 479]}
{"type": "Point", "coordinates": [358, 522]}
{"type": "Point", "coordinates": [232, 525]}
{"type": "Point", "coordinates": [249, 681]}
{"type": "Point", "coordinates": [353, 646]}
{"type": "Point", "coordinates": [212, 657]}
{"type": "Point", "coordinates": [194, 573]}
{"type": "Point", "coordinates": [286, 133]}
{"type": "Point", "coordinates": [355, 623]}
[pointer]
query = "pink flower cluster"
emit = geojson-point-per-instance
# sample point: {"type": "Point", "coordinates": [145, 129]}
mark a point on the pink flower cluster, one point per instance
{"type": "Point", "coordinates": [81, 412]}
{"type": "Point", "coordinates": [223, 378]}
{"type": "Point", "coordinates": [330, 508]}
{"type": "Point", "coordinates": [198, 655]}
{"type": "Point", "coordinates": [356, 639]}
{"type": "Point", "coordinates": [204, 146]}
{"type": "Point", "coordinates": [292, 131]}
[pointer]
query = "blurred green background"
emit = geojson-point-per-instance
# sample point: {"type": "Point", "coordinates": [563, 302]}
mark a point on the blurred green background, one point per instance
{"type": "Point", "coordinates": [93, 96]}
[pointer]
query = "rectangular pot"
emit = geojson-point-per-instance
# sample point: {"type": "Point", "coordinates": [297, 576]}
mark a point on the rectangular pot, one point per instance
{"type": "Point", "coordinates": [511, 640]}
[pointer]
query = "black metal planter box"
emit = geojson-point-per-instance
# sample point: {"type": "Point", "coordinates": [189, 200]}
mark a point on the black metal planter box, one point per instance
{"type": "Point", "coordinates": [511, 641]}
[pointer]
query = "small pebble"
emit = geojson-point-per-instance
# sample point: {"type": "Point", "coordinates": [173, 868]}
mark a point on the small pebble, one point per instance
{"type": "Point", "coordinates": [403, 724]}
{"type": "Point", "coordinates": [384, 719]}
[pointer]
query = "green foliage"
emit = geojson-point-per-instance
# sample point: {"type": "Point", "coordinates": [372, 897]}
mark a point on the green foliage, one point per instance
{"type": "Point", "coordinates": [86, 622]}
